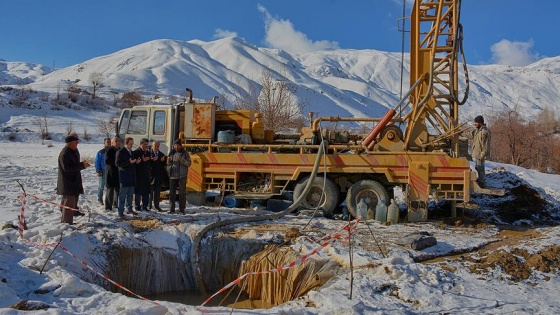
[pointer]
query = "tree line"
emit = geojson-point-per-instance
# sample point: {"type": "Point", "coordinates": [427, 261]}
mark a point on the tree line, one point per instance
{"type": "Point", "coordinates": [530, 143]}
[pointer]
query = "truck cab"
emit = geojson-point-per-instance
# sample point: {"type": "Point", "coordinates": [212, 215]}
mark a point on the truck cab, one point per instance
{"type": "Point", "coordinates": [151, 122]}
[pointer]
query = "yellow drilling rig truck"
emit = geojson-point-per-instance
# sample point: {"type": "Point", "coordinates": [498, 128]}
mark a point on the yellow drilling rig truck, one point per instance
{"type": "Point", "coordinates": [415, 146]}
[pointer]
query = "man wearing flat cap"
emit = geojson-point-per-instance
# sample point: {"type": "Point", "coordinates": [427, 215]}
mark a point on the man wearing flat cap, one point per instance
{"type": "Point", "coordinates": [480, 148]}
{"type": "Point", "coordinates": [69, 182]}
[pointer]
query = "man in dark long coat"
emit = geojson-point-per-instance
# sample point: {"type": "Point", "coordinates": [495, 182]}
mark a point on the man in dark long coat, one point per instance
{"type": "Point", "coordinates": [127, 174]}
{"type": "Point", "coordinates": [112, 175]}
{"type": "Point", "coordinates": [157, 174]}
{"type": "Point", "coordinates": [69, 182]}
{"type": "Point", "coordinates": [142, 184]}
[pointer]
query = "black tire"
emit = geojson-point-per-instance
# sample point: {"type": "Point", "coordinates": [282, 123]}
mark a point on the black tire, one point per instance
{"type": "Point", "coordinates": [368, 189]}
{"type": "Point", "coordinates": [314, 197]}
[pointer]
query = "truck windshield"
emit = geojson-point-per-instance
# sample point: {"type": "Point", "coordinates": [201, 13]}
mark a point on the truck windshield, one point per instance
{"type": "Point", "coordinates": [138, 122]}
{"type": "Point", "coordinates": [125, 118]}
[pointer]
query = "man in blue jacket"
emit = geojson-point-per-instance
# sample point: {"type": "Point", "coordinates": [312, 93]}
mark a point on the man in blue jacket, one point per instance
{"type": "Point", "coordinates": [100, 169]}
{"type": "Point", "coordinates": [127, 176]}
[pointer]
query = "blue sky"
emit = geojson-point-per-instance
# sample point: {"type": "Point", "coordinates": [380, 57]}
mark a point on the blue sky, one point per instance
{"type": "Point", "coordinates": [64, 32]}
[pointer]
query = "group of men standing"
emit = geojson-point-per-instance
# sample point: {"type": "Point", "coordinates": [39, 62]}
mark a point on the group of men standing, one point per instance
{"type": "Point", "coordinates": [124, 173]}
{"type": "Point", "coordinates": [141, 173]}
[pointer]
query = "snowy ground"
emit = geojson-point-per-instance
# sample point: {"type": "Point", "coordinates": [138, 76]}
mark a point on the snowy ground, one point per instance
{"type": "Point", "coordinates": [395, 284]}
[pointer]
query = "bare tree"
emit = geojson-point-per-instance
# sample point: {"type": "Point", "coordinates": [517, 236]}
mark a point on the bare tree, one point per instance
{"type": "Point", "coordinates": [221, 102]}
{"type": "Point", "coordinates": [555, 153]}
{"type": "Point", "coordinates": [548, 123]}
{"type": "Point", "coordinates": [22, 95]}
{"type": "Point", "coordinates": [275, 98]}
{"type": "Point", "coordinates": [131, 99]}
{"type": "Point", "coordinates": [70, 129]}
{"type": "Point", "coordinates": [247, 98]}
{"type": "Point", "coordinates": [21, 86]}
{"type": "Point", "coordinates": [519, 142]}
{"type": "Point", "coordinates": [86, 135]}
{"type": "Point", "coordinates": [278, 102]}
{"type": "Point", "coordinates": [41, 123]}
{"type": "Point", "coordinates": [96, 79]}
{"type": "Point", "coordinates": [106, 127]}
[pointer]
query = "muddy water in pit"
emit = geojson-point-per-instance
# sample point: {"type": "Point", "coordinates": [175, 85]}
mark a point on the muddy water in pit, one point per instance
{"type": "Point", "coordinates": [508, 236]}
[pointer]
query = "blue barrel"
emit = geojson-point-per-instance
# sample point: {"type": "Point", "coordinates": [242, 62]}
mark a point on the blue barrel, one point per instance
{"type": "Point", "coordinates": [226, 136]}
{"type": "Point", "coordinates": [231, 202]}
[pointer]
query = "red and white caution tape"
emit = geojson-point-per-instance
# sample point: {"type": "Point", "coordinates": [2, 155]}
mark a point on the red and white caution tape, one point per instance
{"type": "Point", "coordinates": [104, 276]}
{"type": "Point", "coordinates": [21, 228]}
{"type": "Point", "coordinates": [56, 204]}
{"type": "Point", "coordinates": [21, 223]}
{"type": "Point", "coordinates": [332, 238]}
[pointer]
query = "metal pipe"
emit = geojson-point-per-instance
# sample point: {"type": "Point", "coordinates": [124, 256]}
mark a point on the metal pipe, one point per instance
{"type": "Point", "coordinates": [190, 96]}
{"type": "Point", "coordinates": [377, 129]}
{"type": "Point", "coordinates": [388, 116]}
{"type": "Point", "coordinates": [315, 124]}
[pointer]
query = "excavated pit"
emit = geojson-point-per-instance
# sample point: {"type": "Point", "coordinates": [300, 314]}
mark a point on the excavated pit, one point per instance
{"type": "Point", "coordinates": [163, 274]}
{"type": "Point", "coordinates": [158, 273]}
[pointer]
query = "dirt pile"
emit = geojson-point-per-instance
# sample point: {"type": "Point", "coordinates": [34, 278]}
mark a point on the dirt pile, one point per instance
{"type": "Point", "coordinates": [522, 204]}
{"type": "Point", "coordinates": [29, 306]}
{"type": "Point", "coordinates": [525, 204]}
{"type": "Point", "coordinates": [519, 263]}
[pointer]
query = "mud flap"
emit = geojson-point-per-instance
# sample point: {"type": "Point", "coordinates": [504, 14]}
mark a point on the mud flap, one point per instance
{"type": "Point", "coordinates": [418, 191]}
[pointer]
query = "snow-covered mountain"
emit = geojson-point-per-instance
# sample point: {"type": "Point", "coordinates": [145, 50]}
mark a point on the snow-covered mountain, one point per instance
{"type": "Point", "coordinates": [339, 82]}
{"type": "Point", "coordinates": [14, 73]}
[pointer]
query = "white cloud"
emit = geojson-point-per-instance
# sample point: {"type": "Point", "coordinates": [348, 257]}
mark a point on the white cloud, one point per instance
{"type": "Point", "coordinates": [282, 34]}
{"type": "Point", "coordinates": [221, 33]}
{"type": "Point", "coordinates": [510, 53]}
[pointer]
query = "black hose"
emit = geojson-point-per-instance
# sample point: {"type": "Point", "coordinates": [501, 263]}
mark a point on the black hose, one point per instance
{"type": "Point", "coordinates": [195, 263]}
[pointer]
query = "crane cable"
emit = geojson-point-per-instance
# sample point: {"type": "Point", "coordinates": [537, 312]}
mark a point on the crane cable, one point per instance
{"type": "Point", "coordinates": [402, 49]}
{"type": "Point", "coordinates": [458, 46]}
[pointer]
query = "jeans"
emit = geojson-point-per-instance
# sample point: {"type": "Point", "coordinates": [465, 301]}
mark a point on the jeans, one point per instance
{"type": "Point", "coordinates": [479, 167]}
{"type": "Point", "coordinates": [181, 183]}
{"type": "Point", "coordinates": [125, 194]}
{"type": "Point", "coordinates": [100, 187]}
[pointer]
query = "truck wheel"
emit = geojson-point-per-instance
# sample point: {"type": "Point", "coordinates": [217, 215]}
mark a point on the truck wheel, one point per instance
{"type": "Point", "coordinates": [368, 189]}
{"type": "Point", "coordinates": [315, 197]}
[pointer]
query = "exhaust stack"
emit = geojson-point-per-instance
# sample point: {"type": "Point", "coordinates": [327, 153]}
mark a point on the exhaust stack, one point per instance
{"type": "Point", "coordinates": [190, 96]}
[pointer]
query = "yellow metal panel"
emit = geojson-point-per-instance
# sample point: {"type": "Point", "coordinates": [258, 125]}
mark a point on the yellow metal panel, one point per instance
{"type": "Point", "coordinates": [418, 179]}
{"type": "Point", "coordinates": [196, 175]}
